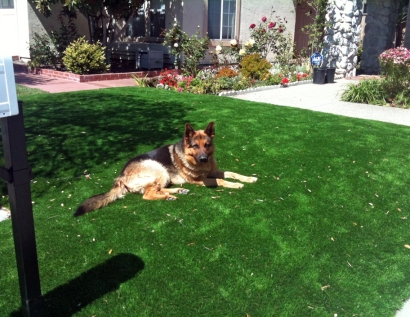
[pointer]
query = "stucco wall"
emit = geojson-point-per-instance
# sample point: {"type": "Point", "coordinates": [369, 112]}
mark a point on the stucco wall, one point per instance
{"type": "Point", "coordinates": [253, 11]}
{"type": "Point", "coordinates": [38, 23]}
{"type": "Point", "coordinates": [194, 15]}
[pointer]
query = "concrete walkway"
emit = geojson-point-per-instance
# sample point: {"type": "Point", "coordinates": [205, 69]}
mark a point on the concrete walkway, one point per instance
{"type": "Point", "coordinates": [326, 98]}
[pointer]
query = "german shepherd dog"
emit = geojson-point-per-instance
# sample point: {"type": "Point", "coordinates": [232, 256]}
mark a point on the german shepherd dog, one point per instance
{"type": "Point", "coordinates": [191, 160]}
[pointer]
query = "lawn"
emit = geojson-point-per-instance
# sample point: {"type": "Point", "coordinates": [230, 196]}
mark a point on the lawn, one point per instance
{"type": "Point", "coordinates": [321, 233]}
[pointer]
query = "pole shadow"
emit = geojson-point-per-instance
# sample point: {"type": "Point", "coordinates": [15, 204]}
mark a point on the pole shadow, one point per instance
{"type": "Point", "coordinates": [70, 298]}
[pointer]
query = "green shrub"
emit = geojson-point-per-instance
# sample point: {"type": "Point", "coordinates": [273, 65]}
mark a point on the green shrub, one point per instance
{"type": "Point", "coordinates": [193, 48]}
{"type": "Point", "coordinates": [395, 66]}
{"type": "Point", "coordinates": [42, 52]}
{"type": "Point", "coordinates": [81, 57]}
{"type": "Point", "coordinates": [254, 66]}
{"type": "Point", "coordinates": [273, 79]}
{"type": "Point", "coordinates": [205, 86]}
{"type": "Point", "coordinates": [367, 91]}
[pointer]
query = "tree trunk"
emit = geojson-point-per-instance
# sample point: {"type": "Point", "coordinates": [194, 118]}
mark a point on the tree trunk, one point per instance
{"type": "Point", "coordinates": [407, 36]}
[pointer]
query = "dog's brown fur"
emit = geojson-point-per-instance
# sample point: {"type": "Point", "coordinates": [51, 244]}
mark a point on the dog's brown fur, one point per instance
{"type": "Point", "coordinates": [189, 161]}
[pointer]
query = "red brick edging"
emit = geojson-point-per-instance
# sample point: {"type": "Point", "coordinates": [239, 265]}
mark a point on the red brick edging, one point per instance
{"type": "Point", "coordinates": [86, 78]}
{"type": "Point", "coordinates": [95, 77]}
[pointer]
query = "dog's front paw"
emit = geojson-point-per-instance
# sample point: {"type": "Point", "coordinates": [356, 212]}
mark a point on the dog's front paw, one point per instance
{"type": "Point", "coordinates": [183, 191]}
{"type": "Point", "coordinates": [170, 197]}
{"type": "Point", "coordinates": [251, 179]}
{"type": "Point", "coordinates": [234, 185]}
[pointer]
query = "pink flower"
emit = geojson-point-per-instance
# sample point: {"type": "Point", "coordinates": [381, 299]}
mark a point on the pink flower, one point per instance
{"type": "Point", "coordinates": [252, 26]}
{"type": "Point", "coordinates": [280, 30]}
{"type": "Point", "coordinates": [263, 19]}
{"type": "Point", "coordinates": [179, 89]}
{"type": "Point", "coordinates": [271, 25]}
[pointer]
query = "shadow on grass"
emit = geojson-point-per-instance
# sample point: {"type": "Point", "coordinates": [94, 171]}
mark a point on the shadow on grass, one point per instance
{"type": "Point", "coordinates": [70, 298]}
{"type": "Point", "coordinates": [73, 132]}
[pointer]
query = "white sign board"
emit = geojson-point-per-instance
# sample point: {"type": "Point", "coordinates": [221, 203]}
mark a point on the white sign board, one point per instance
{"type": "Point", "coordinates": [8, 96]}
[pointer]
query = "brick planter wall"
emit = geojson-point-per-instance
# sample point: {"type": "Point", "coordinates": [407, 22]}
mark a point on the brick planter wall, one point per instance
{"type": "Point", "coordinates": [94, 77]}
{"type": "Point", "coordinates": [18, 67]}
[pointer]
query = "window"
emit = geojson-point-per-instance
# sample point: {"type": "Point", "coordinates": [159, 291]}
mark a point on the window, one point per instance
{"type": "Point", "coordinates": [140, 27]}
{"type": "Point", "coordinates": [6, 4]}
{"type": "Point", "coordinates": [221, 19]}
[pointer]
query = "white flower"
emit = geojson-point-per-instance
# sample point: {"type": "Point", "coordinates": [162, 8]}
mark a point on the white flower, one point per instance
{"type": "Point", "coordinates": [242, 52]}
{"type": "Point", "coordinates": [218, 49]}
{"type": "Point", "coordinates": [175, 44]}
{"type": "Point", "coordinates": [233, 43]}
{"type": "Point", "coordinates": [249, 42]}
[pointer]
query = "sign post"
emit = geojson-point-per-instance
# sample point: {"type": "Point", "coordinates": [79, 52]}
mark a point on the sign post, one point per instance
{"type": "Point", "coordinates": [17, 173]}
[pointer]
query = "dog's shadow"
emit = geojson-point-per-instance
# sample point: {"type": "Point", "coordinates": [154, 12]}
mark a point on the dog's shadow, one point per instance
{"type": "Point", "coordinates": [70, 298]}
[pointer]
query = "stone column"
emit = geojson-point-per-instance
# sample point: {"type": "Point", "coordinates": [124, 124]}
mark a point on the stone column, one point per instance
{"type": "Point", "coordinates": [342, 36]}
{"type": "Point", "coordinates": [379, 33]}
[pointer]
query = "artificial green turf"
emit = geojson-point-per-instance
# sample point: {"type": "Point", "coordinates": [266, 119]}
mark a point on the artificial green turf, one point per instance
{"type": "Point", "coordinates": [322, 232]}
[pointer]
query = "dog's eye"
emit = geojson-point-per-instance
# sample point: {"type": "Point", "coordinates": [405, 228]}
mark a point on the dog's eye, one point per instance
{"type": "Point", "coordinates": [207, 145]}
{"type": "Point", "coordinates": [195, 146]}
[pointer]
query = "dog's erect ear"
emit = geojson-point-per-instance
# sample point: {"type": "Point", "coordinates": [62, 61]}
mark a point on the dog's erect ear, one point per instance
{"type": "Point", "coordinates": [189, 131]}
{"type": "Point", "coordinates": [210, 130]}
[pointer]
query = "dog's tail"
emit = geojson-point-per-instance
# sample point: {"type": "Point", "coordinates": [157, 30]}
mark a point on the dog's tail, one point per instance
{"type": "Point", "coordinates": [102, 200]}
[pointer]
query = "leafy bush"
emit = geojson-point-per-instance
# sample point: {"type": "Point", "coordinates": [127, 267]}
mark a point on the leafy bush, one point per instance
{"type": "Point", "coordinates": [67, 33]}
{"type": "Point", "coordinates": [367, 91]}
{"type": "Point", "coordinates": [81, 57]}
{"type": "Point", "coordinates": [226, 72]}
{"type": "Point", "coordinates": [267, 37]}
{"type": "Point", "coordinates": [254, 66]}
{"type": "Point", "coordinates": [167, 79]}
{"type": "Point", "coordinates": [193, 48]}
{"type": "Point", "coordinates": [205, 86]}
{"type": "Point", "coordinates": [42, 52]}
{"type": "Point", "coordinates": [226, 55]}
{"type": "Point", "coordinates": [395, 66]}
{"type": "Point", "coordinates": [402, 100]}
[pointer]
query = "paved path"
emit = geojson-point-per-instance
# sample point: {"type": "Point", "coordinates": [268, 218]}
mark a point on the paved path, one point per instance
{"type": "Point", "coordinates": [326, 98]}
{"type": "Point", "coordinates": [54, 85]}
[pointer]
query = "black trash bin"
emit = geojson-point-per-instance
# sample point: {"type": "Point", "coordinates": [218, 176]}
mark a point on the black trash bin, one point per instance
{"type": "Point", "coordinates": [319, 75]}
{"type": "Point", "coordinates": [330, 75]}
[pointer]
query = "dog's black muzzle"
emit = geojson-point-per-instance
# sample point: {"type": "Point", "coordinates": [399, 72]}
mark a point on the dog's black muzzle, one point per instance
{"type": "Point", "coordinates": [202, 159]}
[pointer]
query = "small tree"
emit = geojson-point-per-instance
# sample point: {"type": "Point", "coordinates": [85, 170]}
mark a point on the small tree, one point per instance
{"type": "Point", "coordinates": [316, 30]}
{"type": "Point", "coordinates": [192, 48]}
{"type": "Point", "coordinates": [107, 19]}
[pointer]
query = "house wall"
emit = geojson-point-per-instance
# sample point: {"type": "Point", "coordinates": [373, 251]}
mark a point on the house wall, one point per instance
{"type": "Point", "coordinates": [253, 11]}
{"type": "Point", "coordinates": [40, 24]}
{"type": "Point", "coordinates": [194, 16]}
{"type": "Point", "coordinates": [14, 29]}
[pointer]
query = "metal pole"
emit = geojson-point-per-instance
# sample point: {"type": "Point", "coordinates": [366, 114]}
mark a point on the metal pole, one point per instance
{"type": "Point", "coordinates": [19, 176]}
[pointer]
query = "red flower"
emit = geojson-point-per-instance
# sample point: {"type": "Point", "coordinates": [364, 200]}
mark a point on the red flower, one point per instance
{"type": "Point", "coordinates": [285, 81]}
{"type": "Point", "coordinates": [304, 75]}
{"type": "Point", "coordinates": [263, 19]}
{"type": "Point", "coordinates": [271, 25]}
{"type": "Point", "coordinates": [252, 26]}
{"type": "Point", "coordinates": [298, 76]}
{"type": "Point", "coordinates": [280, 30]}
